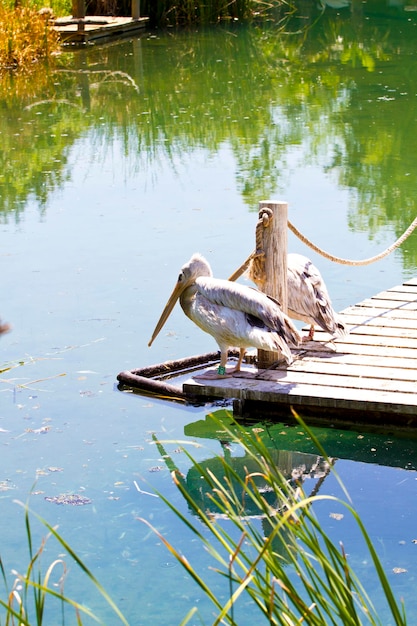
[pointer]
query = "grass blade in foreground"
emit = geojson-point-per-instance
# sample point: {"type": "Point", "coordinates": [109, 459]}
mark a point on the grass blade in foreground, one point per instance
{"type": "Point", "coordinates": [292, 571]}
{"type": "Point", "coordinates": [18, 604]}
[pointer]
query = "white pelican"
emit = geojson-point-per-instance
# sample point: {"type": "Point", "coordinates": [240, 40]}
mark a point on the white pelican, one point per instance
{"type": "Point", "coordinates": [308, 298]}
{"type": "Point", "coordinates": [235, 315]}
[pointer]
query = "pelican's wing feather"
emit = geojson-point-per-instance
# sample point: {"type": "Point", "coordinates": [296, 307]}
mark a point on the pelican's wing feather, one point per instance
{"type": "Point", "coordinates": [308, 297]}
{"type": "Point", "coordinates": [255, 304]}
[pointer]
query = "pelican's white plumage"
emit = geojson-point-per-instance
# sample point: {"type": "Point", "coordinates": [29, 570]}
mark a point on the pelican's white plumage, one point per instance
{"type": "Point", "coordinates": [308, 298]}
{"type": "Point", "coordinates": [235, 315]}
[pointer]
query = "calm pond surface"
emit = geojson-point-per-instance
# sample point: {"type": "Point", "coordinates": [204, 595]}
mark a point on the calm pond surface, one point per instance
{"type": "Point", "coordinates": [114, 169]}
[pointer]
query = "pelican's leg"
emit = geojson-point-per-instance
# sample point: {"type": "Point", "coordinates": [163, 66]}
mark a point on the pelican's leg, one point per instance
{"type": "Point", "coordinates": [220, 372]}
{"type": "Point", "coordinates": [310, 335]}
{"type": "Point", "coordinates": [242, 353]}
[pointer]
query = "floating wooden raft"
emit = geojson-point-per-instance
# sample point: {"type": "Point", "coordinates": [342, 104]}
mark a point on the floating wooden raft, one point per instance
{"type": "Point", "coordinates": [368, 377]}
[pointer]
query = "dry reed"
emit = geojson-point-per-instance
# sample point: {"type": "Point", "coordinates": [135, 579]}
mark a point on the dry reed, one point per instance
{"type": "Point", "coordinates": [25, 37]}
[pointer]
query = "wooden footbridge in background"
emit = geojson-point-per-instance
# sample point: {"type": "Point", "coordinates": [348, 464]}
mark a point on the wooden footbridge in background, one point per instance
{"type": "Point", "coordinates": [368, 377]}
{"type": "Point", "coordinates": [80, 28]}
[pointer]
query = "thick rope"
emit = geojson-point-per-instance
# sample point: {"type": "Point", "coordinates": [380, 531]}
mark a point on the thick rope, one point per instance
{"type": "Point", "coordinates": [372, 259]}
{"type": "Point", "coordinates": [257, 256]}
{"type": "Point", "coordinates": [264, 217]}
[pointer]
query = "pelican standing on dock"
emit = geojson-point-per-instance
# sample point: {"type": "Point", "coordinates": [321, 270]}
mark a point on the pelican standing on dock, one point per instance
{"type": "Point", "coordinates": [235, 315]}
{"type": "Point", "coordinates": [308, 298]}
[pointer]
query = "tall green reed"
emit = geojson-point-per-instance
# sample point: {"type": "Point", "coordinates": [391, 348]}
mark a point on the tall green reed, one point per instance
{"type": "Point", "coordinates": [31, 596]}
{"type": "Point", "coordinates": [291, 569]}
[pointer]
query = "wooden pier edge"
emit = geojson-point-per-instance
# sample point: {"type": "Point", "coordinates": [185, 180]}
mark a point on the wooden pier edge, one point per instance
{"type": "Point", "coordinates": [152, 379]}
{"type": "Point", "coordinates": [367, 378]}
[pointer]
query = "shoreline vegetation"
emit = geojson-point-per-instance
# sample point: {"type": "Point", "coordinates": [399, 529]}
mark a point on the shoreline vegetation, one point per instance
{"type": "Point", "coordinates": [27, 36]}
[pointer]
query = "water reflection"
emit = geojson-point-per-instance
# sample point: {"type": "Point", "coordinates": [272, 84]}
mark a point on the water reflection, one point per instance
{"type": "Point", "coordinates": [227, 472]}
{"type": "Point", "coordinates": [340, 95]}
{"type": "Point", "coordinates": [367, 446]}
{"type": "Point", "coordinates": [295, 467]}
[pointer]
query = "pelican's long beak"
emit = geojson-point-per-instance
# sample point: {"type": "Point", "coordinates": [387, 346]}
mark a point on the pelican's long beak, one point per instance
{"type": "Point", "coordinates": [178, 289]}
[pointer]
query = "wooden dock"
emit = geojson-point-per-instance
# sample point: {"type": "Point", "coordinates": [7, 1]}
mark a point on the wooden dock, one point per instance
{"type": "Point", "coordinates": [369, 377]}
{"type": "Point", "coordinates": [97, 29]}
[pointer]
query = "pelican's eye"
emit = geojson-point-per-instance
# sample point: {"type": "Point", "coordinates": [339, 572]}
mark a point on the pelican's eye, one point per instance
{"type": "Point", "coordinates": [180, 277]}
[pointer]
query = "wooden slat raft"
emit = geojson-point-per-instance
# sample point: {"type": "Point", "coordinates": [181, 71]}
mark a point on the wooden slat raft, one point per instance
{"type": "Point", "coordinates": [369, 377]}
{"type": "Point", "coordinates": [97, 29]}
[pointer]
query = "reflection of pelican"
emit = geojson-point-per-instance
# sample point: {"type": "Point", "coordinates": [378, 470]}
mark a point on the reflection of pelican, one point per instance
{"type": "Point", "coordinates": [308, 299]}
{"type": "Point", "coordinates": [235, 315]}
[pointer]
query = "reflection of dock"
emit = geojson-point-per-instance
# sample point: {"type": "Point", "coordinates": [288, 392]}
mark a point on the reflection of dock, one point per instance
{"type": "Point", "coordinates": [97, 29]}
{"type": "Point", "coordinates": [368, 377]}
{"type": "Point", "coordinates": [369, 445]}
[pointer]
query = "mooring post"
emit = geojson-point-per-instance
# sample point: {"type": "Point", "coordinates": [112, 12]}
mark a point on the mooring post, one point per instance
{"type": "Point", "coordinates": [135, 9]}
{"type": "Point", "coordinates": [275, 250]}
{"type": "Point", "coordinates": [78, 9]}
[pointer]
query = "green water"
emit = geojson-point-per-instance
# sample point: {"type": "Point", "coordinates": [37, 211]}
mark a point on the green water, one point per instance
{"type": "Point", "coordinates": [115, 167]}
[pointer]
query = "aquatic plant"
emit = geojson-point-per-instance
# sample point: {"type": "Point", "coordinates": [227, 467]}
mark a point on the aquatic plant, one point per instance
{"type": "Point", "coordinates": [36, 594]}
{"type": "Point", "coordinates": [290, 568]}
{"type": "Point", "coordinates": [25, 37]}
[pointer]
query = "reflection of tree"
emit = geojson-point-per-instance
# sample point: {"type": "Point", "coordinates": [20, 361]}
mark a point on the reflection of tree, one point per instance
{"type": "Point", "coordinates": [35, 140]}
{"type": "Point", "coordinates": [260, 92]}
{"type": "Point", "coordinates": [38, 134]}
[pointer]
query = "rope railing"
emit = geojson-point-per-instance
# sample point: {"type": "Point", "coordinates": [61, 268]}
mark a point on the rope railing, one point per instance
{"type": "Point", "coordinates": [263, 221]}
{"type": "Point", "coordinates": [368, 261]}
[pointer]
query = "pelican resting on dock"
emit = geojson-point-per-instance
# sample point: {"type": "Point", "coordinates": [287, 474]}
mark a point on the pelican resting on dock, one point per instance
{"type": "Point", "coordinates": [235, 315]}
{"type": "Point", "coordinates": [308, 298]}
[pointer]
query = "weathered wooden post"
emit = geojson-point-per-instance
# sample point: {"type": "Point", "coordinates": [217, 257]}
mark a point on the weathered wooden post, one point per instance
{"type": "Point", "coordinates": [135, 9]}
{"type": "Point", "coordinates": [274, 249]}
{"type": "Point", "coordinates": [78, 9]}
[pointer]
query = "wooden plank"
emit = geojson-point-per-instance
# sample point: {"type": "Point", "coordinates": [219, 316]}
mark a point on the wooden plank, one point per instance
{"type": "Point", "coordinates": [360, 370]}
{"type": "Point", "coordinates": [304, 394]}
{"type": "Point", "coordinates": [397, 366]}
{"type": "Point", "coordinates": [304, 376]}
{"type": "Point", "coordinates": [405, 288]}
{"type": "Point", "coordinates": [315, 374]}
{"type": "Point", "coordinates": [368, 349]}
{"type": "Point", "coordinates": [374, 340]}
{"type": "Point", "coordinates": [395, 331]}
{"type": "Point", "coordinates": [395, 296]}
{"type": "Point", "coordinates": [371, 316]}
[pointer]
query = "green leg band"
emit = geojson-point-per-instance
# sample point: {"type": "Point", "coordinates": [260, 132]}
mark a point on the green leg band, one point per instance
{"type": "Point", "coordinates": [221, 370]}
